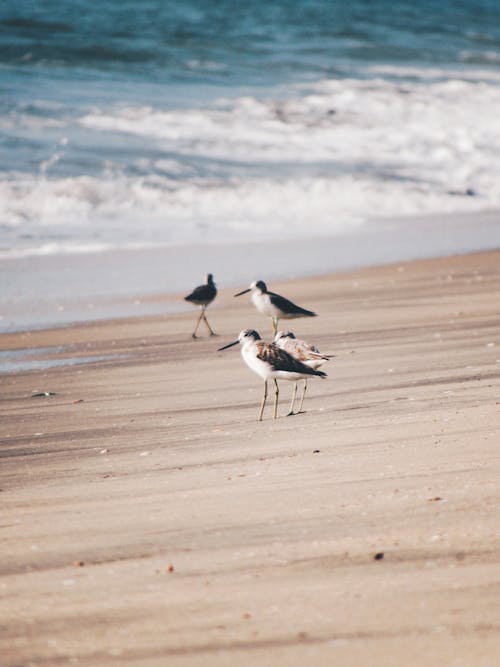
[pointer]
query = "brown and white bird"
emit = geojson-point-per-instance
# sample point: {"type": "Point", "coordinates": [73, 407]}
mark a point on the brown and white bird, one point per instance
{"type": "Point", "coordinates": [305, 353]}
{"type": "Point", "coordinates": [271, 363]}
{"type": "Point", "coordinates": [202, 296]}
{"type": "Point", "coordinates": [274, 305]}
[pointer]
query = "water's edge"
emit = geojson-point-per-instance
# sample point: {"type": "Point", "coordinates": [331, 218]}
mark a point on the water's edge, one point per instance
{"type": "Point", "coordinates": [46, 291]}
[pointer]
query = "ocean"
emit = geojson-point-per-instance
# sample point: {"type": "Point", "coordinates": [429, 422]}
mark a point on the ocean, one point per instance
{"type": "Point", "coordinates": [128, 125]}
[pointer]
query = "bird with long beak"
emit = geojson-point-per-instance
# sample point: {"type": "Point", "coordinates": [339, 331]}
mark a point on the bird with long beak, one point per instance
{"type": "Point", "coordinates": [202, 296]}
{"type": "Point", "coordinates": [273, 305]}
{"type": "Point", "coordinates": [271, 363]}
{"type": "Point", "coordinates": [305, 353]}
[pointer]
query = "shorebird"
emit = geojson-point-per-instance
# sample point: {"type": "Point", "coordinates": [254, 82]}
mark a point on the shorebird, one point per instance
{"type": "Point", "coordinates": [274, 305]}
{"type": "Point", "coordinates": [271, 363]}
{"type": "Point", "coordinates": [305, 352]}
{"type": "Point", "coordinates": [202, 296]}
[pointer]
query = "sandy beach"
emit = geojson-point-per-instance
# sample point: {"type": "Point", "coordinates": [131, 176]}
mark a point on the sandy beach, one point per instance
{"type": "Point", "coordinates": [149, 519]}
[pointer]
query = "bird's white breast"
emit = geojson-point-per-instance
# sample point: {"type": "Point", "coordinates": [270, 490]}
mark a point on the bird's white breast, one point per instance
{"type": "Point", "coordinates": [249, 354]}
{"type": "Point", "coordinates": [263, 304]}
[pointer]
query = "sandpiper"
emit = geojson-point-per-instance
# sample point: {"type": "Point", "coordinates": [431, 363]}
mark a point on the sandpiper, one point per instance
{"type": "Point", "coordinates": [274, 305]}
{"type": "Point", "coordinates": [202, 296]}
{"type": "Point", "coordinates": [305, 352]}
{"type": "Point", "coordinates": [271, 363]}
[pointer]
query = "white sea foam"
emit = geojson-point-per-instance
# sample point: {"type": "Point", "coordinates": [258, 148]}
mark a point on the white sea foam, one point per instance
{"type": "Point", "coordinates": [319, 160]}
{"type": "Point", "coordinates": [376, 122]}
{"type": "Point", "coordinates": [425, 132]}
{"type": "Point", "coordinates": [434, 73]}
{"type": "Point", "coordinates": [54, 248]}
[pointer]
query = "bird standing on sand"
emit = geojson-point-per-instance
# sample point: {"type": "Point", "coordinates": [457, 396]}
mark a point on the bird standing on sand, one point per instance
{"type": "Point", "coordinates": [305, 353]}
{"type": "Point", "coordinates": [271, 363]}
{"type": "Point", "coordinates": [274, 305]}
{"type": "Point", "coordinates": [202, 296]}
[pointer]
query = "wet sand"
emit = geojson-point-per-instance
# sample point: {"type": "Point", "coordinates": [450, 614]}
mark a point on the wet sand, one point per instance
{"type": "Point", "coordinates": [43, 291]}
{"type": "Point", "coordinates": [148, 519]}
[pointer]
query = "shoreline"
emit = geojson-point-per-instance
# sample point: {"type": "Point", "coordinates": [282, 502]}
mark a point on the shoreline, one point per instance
{"type": "Point", "coordinates": [47, 291]}
{"type": "Point", "coordinates": [141, 496]}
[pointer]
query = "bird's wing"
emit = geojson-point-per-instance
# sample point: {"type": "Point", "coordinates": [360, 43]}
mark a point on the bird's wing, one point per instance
{"type": "Point", "coordinates": [288, 306]}
{"type": "Point", "coordinates": [303, 351]}
{"type": "Point", "coordinates": [311, 355]}
{"type": "Point", "coordinates": [202, 292]}
{"type": "Point", "coordinates": [280, 360]}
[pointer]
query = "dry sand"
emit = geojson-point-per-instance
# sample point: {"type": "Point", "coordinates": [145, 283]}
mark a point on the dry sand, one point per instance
{"type": "Point", "coordinates": [148, 519]}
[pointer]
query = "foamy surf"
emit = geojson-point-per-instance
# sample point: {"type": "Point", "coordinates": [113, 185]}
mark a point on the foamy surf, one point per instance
{"type": "Point", "coordinates": [318, 159]}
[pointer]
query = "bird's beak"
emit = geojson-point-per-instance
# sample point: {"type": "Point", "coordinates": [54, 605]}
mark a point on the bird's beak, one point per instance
{"type": "Point", "coordinates": [235, 342]}
{"type": "Point", "coordinates": [244, 291]}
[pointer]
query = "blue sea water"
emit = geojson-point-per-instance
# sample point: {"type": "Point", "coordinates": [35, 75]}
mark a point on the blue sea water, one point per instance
{"type": "Point", "coordinates": [129, 124]}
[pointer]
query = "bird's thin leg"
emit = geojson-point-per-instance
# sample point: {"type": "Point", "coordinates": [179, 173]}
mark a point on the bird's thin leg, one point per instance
{"type": "Point", "coordinates": [303, 395]}
{"type": "Point", "coordinates": [275, 325]}
{"type": "Point", "coordinates": [197, 324]}
{"type": "Point", "coordinates": [276, 394]}
{"type": "Point", "coordinates": [212, 333]}
{"type": "Point", "coordinates": [293, 400]}
{"type": "Point", "coordinates": [263, 402]}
